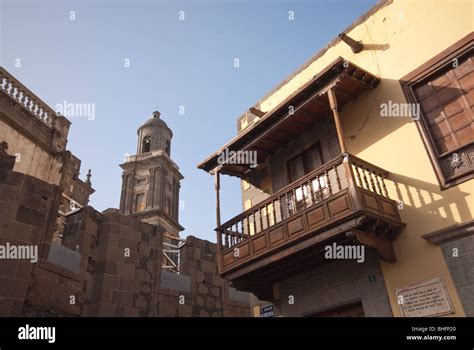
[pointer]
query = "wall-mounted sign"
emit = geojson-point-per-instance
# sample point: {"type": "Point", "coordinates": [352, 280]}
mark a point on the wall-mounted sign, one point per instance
{"type": "Point", "coordinates": [424, 299]}
{"type": "Point", "coordinates": [267, 311]}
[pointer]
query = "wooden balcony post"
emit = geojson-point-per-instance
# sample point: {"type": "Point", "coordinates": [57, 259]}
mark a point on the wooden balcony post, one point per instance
{"type": "Point", "coordinates": [217, 186]}
{"type": "Point", "coordinates": [351, 182]}
{"type": "Point", "coordinates": [335, 113]}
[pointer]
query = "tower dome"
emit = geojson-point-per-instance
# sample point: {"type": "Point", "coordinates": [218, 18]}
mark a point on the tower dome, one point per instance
{"type": "Point", "coordinates": [154, 135]}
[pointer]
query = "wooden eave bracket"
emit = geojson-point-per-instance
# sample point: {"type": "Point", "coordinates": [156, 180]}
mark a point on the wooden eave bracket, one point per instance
{"type": "Point", "coordinates": [383, 246]}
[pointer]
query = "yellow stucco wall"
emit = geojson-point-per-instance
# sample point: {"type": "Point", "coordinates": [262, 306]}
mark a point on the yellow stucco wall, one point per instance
{"type": "Point", "coordinates": [409, 33]}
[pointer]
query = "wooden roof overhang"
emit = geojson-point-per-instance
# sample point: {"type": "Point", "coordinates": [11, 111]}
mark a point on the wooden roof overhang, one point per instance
{"type": "Point", "coordinates": [295, 115]}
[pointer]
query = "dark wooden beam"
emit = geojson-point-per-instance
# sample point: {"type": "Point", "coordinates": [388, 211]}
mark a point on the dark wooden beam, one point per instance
{"type": "Point", "coordinates": [311, 114]}
{"type": "Point", "coordinates": [337, 121]}
{"type": "Point", "coordinates": [343, 93]}
{"type": "Point", "coordinates": [274, 142]}
{"type": "Point", "coordinates": [384, 246]}
{"type": "Point", "coordinates": [256, 112]}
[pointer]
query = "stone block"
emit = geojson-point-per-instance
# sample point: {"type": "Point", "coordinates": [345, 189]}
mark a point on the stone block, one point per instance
{"type": "Point", "coordinates": [11, 194]}
{"type": "Point", "coordinates": [13, 288]}
{"type": "Point", "coordinates": [131, 244]}
{"type": "Point", "coordinates": [202, 289]}
{"type": "Point", "coordinates": [8, 267]}
{"type": "Point", "coordinates": [140, 302]}
{"type": "Point", "coordinates": [36, 186]}
{"type": "Point", "coordinates": [8, 210]}
{"type": "Point", "coordinates": [106, 281]}
{"type": "Point", "coordinates": [212, 248]}
{"type": "Point", "coordinates": [106, 266]}
{"type": "Point", "coordinates": [103, 310]}
{"type": "Point", "coordinates": [23, 269]}
{"type": "Point", "coordinates": [216, 292]}
{"type": "Point", "coordinates": [5, 307]}
{"type": "Point", "coordinates": [203, 313]}
{"type": "Point", "coordinates": [11, 229]}
{"type": "Point", "coordinates": [208, 267]}
{"type": "Point", "coordinates": [126, 270]}
{"type": "Point", "coordinates": [131, 312]}
{"type": "Point", "coordinates": [144, 249]}
{"type": "Point", "coordinates": [129, 285]}
{"type": "Point", "coordinates": [142, 275]}
{"type": "Point", "coordinates": [185, 310]}
{"type": "Point", "coordinates": [30, 216]}
{"type": "Point", "coordinates": [168, 308]}
{"type": "Point", "coordinates": [146, 228]}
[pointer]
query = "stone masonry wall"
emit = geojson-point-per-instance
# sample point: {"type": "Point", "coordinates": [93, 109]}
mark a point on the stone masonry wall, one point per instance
{"type": "Point", "coordinates": [27, 205]}
{"type": "Point", "coordinates": [108, 264]}
{"type": "Point", "coordinates": [127, 267]}
{"type": "Point", "coordinates": [207, 294]}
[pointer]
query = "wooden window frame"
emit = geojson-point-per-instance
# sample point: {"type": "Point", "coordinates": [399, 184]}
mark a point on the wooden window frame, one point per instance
{"type": "Point", "coordinates": [432, 67]}
{"type": "Point", "coordinates": [316, 145]}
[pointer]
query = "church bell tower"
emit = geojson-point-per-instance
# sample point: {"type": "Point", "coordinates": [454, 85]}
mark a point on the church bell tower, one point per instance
{"type": "Point", "coordinates": [151, 180]}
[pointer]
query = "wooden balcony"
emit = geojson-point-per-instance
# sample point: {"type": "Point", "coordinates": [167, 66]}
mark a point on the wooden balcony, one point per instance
{"type": "Point", "coordinates": [345, 199]}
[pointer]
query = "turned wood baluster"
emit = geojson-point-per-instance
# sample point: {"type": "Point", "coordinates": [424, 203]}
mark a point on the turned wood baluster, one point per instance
{"type": "Point", "coordinates": [338, 180]}
{"type": "Point", "coordinates": [288, 205]}
{"type": "Point", "coordinates": [227, 244]}
{"type": "Point", "coordinates": [281, 208]}
{"type": "Point", "coordinates": [326, 174]}
{"type": "Point", "coordinates": [366, 183]}
{"type": "Point", "coordinates": [359, 180]}
{"type": "Point", "coordinates": [372, 186]}
{"type": "Point", "coordinates": [310, 192]}
{"type": "Point", "coordinates": [294, 200]}
{"type": "Point", "coordinates": [384, 189]}
{"type": "Point", "coordinates": [254, 223]}
{"type": "Point", "coordinates": [248, 225]}
{"type": "Point", "coordinates": [261, 219]}
{"type": "Point", "coordinates": [377, 184]}
{"type": "Point", "coordinates": [274, 212]}
{"type": "Point", "coordinates": [268, 216]}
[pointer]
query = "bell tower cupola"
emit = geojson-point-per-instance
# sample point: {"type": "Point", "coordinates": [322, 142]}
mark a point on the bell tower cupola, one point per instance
{"type": "Point", "coordinates": [151, 180]}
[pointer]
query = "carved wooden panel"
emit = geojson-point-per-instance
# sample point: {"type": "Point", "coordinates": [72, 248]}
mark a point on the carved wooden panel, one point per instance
{"type": "Point", "coordinates": [295, 226]}
{"type": "Point", "coordinates": [259, 243]}
{"type": "Point", "coordinates": [277, 235]}
{"type": "Point", "coordinates": [244, 250]}
{"type": "Point", "coordinates": [316, 217]}
{"type": "Point", "coordinates": [388, 208]}
{"type": "Point", "coordinates": [228, 258]}
{"type": "Point", "coordinates": [339, 206]}
{"type": "Point", "coordinates": [370, 202]}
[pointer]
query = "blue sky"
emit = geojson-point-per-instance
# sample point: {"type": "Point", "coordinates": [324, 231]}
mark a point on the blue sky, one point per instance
{"type": "Point", "coordinates": [173, 63]}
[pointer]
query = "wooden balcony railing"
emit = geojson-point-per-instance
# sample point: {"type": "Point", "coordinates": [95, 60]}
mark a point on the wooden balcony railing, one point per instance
{"type": "Point", "coordinates": [339, 189]}
{"type": "Point", "coordinates": [20, 93]}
